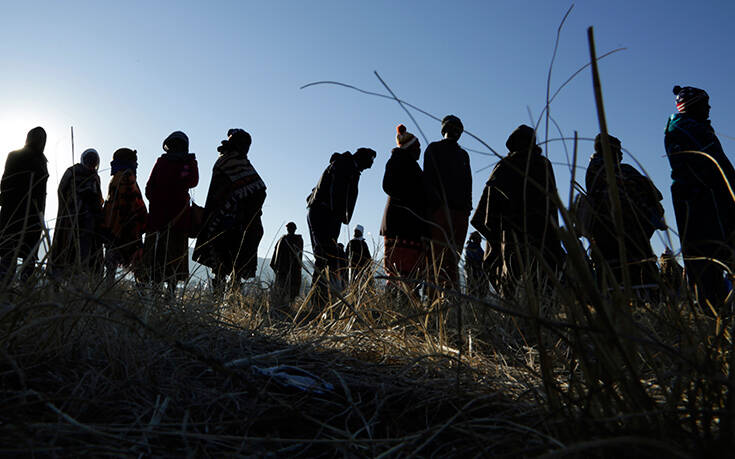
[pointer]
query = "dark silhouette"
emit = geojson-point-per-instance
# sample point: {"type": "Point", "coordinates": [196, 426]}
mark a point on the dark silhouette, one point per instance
{"type": "Point", "coordinates": [358, 255]}
{"type": "Point", "coordinates": [448, 181]}
{"type": "Point", "coordinates": [672, 274]}
{"type": "Point", "coordinates": [404, 227]}
{"type": "Point", "coordinates": [642, 214]}
{"type": "Point", "coordinates": [475, 279]}
{"type": "Point", "coordinates": [286, 263]}
{"type": "Point", "coordinates": [228, 242]}
{"type": "Point", "coordinates": [77, 243]}
{"type": "Point", "coordinates": [165, 251]}
{"type": "Point", "coordinates": [518, 215]}
{"type": "Point", "coordinates": [704, 205]}
{"type": "Point", "coordinates": [23, 201]}
{"type": "Point", "coordinates": [125, 214]}
{"type": "Point", "coordinates": [332, 202]}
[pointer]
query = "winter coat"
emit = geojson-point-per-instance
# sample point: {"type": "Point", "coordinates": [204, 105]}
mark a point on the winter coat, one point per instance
{"type": "Point", "coordinates": [125, 215]}
{"type": "Point", "coordinates": [287, 255]}
{"type": "Point", "coordinates": [337, 187]}
{"type": "Point", "coordinates": [232, 227]}
{"type": "Point", "coordinates": [167, 191]}
{"type": "Point", "coordinates": [405, 212]}
{"type": "Point", "coordinates": [447, 176]}
{"type": "Point", "coordinates": [357, 253]}
{"type": "Point", "coordinates": [22, 199]}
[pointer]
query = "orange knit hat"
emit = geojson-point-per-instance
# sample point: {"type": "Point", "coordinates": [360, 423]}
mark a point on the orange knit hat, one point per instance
{"type": "Point", "coordinates": [404, 139]}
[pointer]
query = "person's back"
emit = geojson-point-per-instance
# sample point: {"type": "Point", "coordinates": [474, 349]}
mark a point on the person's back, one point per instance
{"type": "Point", "coordinates": [447, 175]}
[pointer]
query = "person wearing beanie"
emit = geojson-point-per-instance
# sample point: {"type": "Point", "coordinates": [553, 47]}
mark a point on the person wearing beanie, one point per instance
{"type": "Point", "coordinates": [703, 180]}
{"type": "Point", "coordinates": [358, 256]}
{"type": "Point", "coordinates": [286, 264]}
{"type": "Point", "coordinates": [125, 215]}
{"type": "Point", "coordinates": [166, 246]}
{"type": "Point", "coordinates": [232, 229]}
{"type": "Point", "coordinates": [77, 241]}
{"type": "Point", "coordinates": [448, 181]}
{"type": "Point", "coordinates": [332, 203]}
{"type": "Point", "coordinates": [404, 226]}
{"type": "Point", "coordinates": [22, 205]}
{"type": "Point", "coordinates": [518, 216]}
{"type": "Point", "coordinates": [642, 214]}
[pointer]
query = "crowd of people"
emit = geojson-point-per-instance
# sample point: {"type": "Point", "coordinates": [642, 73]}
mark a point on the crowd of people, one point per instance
{"type": "Point", "coordinates": [424, 226]}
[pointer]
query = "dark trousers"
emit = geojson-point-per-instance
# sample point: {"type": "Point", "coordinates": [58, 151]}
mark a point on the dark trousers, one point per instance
{"type": "Point", "coordinates": [324, 231]}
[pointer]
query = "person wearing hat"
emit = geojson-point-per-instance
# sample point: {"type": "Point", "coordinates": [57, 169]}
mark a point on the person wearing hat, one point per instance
{"type": "Point", "coordinates": [518, 216]}
{"type": "Point", "coordinates": [475, 280]}
{"type": "Point", "coordinates": [77, 241]}
{"type": "Point", "coordinates": [125, 214]}
{"type": "Point", "coordinates": [228, 241]}
{"type": "Point", "coordinates": [702, 191]}
{"type": "Point", "coordinates": [166, 246]}
{"type": "Point", "coordinates": [448, 181]}
{"type": "Point", "coordinates": [332, 203]}
{"type": "Point", "coordinates": [642, 214]}
{"type": "Point", "coordinates": [22, 205]}
{"type": "Point", "coordinates": [404, 226]}
{"type": "Point", "coordinates": [358, 255]}
{"type": "Point", "coordinates": [286, 263]}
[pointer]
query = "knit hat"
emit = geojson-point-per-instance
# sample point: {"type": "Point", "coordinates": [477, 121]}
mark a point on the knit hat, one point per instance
{"type": "Point", "coordinates": [452, 124]}
{"type": "Point", "coordinates": [689, 96]}
{"type": "Point", "coordinates": [90, 158]}
{"type": "Point", "coordinates": [360, 228]}
{"type": "Point", "coordinates": [523, 139]}
{"type": "Point", "coordinates": [404, 139]}
{"type": "Point", "coordinates": [176, 142]}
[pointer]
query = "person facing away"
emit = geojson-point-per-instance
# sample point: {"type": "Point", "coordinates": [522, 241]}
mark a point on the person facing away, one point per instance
{"type": "Point", "coordinates": [404, 226]}
{"type": "Point", "coordinates": [518, 215]}
{"type": "Point", "coordinates": [672, 274]}
{"type": "Point", "coordinates": [448, 181]}
{"type": "Point", "coordinates": [286, 262]}
{"type": "Point", "coordinates": [476, 281]}
{"type": "Point", "coordinates": [125, 214]}
{"type": "Point", "coordinates": [77, 242]}
{"type": "Point", "coordinates": [332, 202]}
{"type": "Point", "coordinates": [22, 205]}
{"type": "Point", "coordinates": [165, 250]}
{"type": "Point", "coordinates": [642, 214]}
{"type": "Point", "coordinates": [228, 242]}
{"type": "Point", "coordinates": [703, 180]}
{"type": "Point", "coordinates": [358, 254]}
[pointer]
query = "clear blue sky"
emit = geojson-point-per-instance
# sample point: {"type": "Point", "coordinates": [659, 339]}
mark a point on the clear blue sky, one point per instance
{"type": "Point", "coordinates": [129, 73]}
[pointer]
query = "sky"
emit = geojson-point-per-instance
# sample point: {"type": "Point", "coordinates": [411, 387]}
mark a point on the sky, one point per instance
{"type": "Point", "coordinates": [126, 74]}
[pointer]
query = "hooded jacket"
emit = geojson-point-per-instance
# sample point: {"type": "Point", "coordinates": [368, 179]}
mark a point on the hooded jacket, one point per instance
{"type": "Point", "coordinates": [337, 187]}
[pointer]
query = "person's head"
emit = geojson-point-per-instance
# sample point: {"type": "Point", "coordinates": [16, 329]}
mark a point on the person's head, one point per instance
{"type": "Point", "coordinates": [408, 142]}
{"type": "Point", "coordinates": [238, 140]}
{"type": "Point", "coordinates": [475, 237]}
{"type": "Point", "coordinates": [176, 143]}
{"type": "Point", "coordinates": [291, 227]}
{"type": "Point", "coordinates": [614, 143]}
{"type": "Point", "coordinates": [452, 127]}
{"type": "Point", "coordinates": [359, 230]}
{"type": "Point", "coordinates": [364, 158]}
{"type": "Point", "coordinates": [692, 101]}
{"type": "Point", "coordinates": [90, 159]}
{"type": "Point", "coordinates": [523, 139]}
{"type": "Point", "coordinates": [36, 139]}
{"type": "Point", "coordinates": [125, 154]}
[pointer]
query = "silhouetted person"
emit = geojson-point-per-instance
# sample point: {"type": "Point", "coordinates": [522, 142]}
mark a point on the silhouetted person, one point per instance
{"type": "Point", "coordinates": [228, 242]}
{"type": "Point", "coordinates": [166, 247]}
{"type": "Point", "coordinates": [125, 214]}
{"type": "Point", "coordinates": [404, 227]}
{"type": "Point", "coordinates": [332, 202]}
{"type": "Point", "coordinates": [448, 181]}
{"type": "Point", "coordinates": [286, 262]}
{"type": "Point", "coordinates": [342, 272]}
{"type": "Point", "coordinates": [77, 243]}
{"type": "Point", "coordinates": [475, 279]}
{"type": "Point", "coordinates": [518, 215]}
{"type": "Point", "coordinates": [642, 214]}
{"type": "Point", "coordinates": [703, 203]}
{"type": "Point", "coordinates": [672, 274]}
{"type": "Point", "coordinates": [23, 203]}
{"type": "Point", "coordinates": [358, 255]}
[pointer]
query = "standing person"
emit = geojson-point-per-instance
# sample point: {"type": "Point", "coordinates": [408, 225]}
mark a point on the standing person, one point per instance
{"type": "Point", "coordinates": [228, 242]}
{"type": "Point", "coordinates": [448, 181]}
{"type": "Point", "coordinates": [166, 247]}
{"type": "Point", "coordinates": [125, 214]}
{"type": "Point", "coordinates": [672, 274]}
{"type": "Point", "coordinates": [332, 202]}
{"type": "Point", "coordinates": [23, 201]}
{"type": "Point", "coordinates": [642, 214]}
{"type": "Point", "coordinates": [357, 254]}
{"type": "Point", "coordinates": [77, 243]}
{"type": "Point", "coordinates": [286, 262]}
{"type": "Point", "coordinates": [703, 180]}
{"type": "Point", "coordinates": [404, 226]}
{"type": "Point", "coordinates": [476, 282]}
{"type": "Point", "coordinates": [518, 215]}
